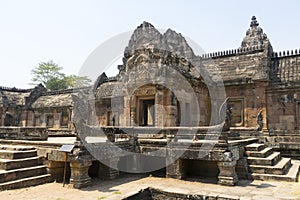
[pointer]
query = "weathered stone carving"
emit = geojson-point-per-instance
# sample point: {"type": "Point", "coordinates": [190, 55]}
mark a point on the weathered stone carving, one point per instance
{"type": "Point", "coordinates": [145, 91]}
{"type": "Point", "coordinates": [80, 161]}
{"type": "Point", "coordinates": [225, 115]}
{"type": "Point", "coordinates": [254, 35]}
{"type": "Point", "coordinates": [259, 121]}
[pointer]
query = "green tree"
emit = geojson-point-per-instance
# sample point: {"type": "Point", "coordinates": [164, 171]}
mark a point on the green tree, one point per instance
{"type": "Point", "coordinates": [49, 74]}
{"type": "Point", "coordinates": [74, 81]}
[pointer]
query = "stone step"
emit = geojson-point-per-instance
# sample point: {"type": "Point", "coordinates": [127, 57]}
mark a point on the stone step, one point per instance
{"type": "Point", "coordinates": [16, 148]}
{"type": "Point", "coordinates": [15, 174]}
{"type": "Point", "coordinates": [8, 164]}
{"type": "Point", "coordinates": [255, 147]}
{"type": "Point", "coordinates": [280, 168]}
{"type": "Point", "coordinates": [270, 160]}
{"type": "Point", "coordinates": [26, 182]}
{"type": "Point", "coordinates": [200, 136]}
{"type": "Point", "coordinates": [261, 154]}
{"type": "Point", "coordinates": [290, 176]}
{"type": "Point", "coordinates": [11, 154]}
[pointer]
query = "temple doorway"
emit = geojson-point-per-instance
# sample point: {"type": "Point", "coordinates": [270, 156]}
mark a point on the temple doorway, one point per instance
{"type": "Point", "coordinates": [146, 112]}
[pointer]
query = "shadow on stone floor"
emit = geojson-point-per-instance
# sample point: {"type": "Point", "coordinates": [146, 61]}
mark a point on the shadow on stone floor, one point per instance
{"type": "Point", "coordinates": [107, 185]}
{"type": "Point", "coordinates": [247, 183]}
{"type": "Point", "coordinates": [241, 183]}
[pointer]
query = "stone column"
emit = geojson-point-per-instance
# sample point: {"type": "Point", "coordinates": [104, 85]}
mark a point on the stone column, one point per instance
{"type": "Point", "coordinates": [108, 170]}
{"type": "Point", "coordinates": [80, 162]}
{"type": "Point", "coordinates": [79, 171]}
{"type": "Point", "coordinates": [227, 175]}
{"type": "Point", "coordinates": [43, 119]}
{"type": "Point", "coordinates": [2, 117]}
{"type": "Point", "coordinates": [56, 119]}
{"type": "Point", "coordinates": [174, 168]}
{"type": "Point", "coordinates": [56, 169]}
{"type": "Point", "coordinates": [127, 112]}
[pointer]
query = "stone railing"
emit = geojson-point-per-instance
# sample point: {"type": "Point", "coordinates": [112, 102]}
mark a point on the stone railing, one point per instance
{"type": "Point", "coordinates": [113, 133]}
{"type": "Point", "coordinates": [287, 53]}
{"type": "Point", "coordinates": [65, 91]}
{"type": "Point", "coordinates": [232, 52]}
{"type": "Point", "coordinates": [13, 89]}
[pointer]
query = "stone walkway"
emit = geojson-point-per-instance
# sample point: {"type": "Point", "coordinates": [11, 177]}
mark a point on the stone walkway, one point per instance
{"type": "Point", "coordinates": [128, 185]}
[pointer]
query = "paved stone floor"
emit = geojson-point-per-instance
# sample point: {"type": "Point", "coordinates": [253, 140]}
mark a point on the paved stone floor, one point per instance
{"type": "Point", "coordinates": [127, 185]}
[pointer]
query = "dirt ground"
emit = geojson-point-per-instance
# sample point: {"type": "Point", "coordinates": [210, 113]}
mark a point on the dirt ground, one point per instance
{"type": "Point", "coordinates": [128, 185]}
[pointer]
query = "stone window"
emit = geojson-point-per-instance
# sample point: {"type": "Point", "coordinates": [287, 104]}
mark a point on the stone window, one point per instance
{"type": "Point", "coordinates": [237, 108]}
{"type": "Point", "coordinates": [37, 120]}
{"type": "Point", "coordinates": [64, 118]}
{"type": "Point", "coordinates": [49, 120]}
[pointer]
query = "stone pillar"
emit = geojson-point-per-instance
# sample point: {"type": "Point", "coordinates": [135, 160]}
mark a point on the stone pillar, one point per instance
{"type": "Point", "coordinates": [265, 125]}
{"type": "Point", "coordinates": [127, 112]}
{"type": "Point", "coordinates": [43, 119]}
{"type": "Point", "coordinates": [56, 169]}
{"type": "Point", "coordinates": [70, 116]}
{"type": "Point", "coordinates": [108, 170]}
{"type": "Point", "coordinates": [80, 162]}
{"type": "Point", "coordinates": [56, 119]}
{"type": "Point", "coordinates": [174, 168]}
{"type": "Point", "coordinates": [2, 119]}
{"type": "Point", "coordinates": [79, 171]}
{"type": "Point", "coordinates": [227, 175]}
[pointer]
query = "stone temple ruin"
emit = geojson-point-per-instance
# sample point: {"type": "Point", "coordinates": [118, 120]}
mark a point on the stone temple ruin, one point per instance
{"type": "Point", "coordinates": [224, 116]}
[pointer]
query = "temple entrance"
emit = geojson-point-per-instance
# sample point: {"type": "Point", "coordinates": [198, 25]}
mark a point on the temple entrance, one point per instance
{"type": "Point", "coordinates": [146, 112]}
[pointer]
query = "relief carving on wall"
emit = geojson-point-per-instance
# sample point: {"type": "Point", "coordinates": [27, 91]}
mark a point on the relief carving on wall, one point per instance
{"type": "Point", "coordinates": [145, 91]}
{"type": "Point", "coordinates": [259, 121]}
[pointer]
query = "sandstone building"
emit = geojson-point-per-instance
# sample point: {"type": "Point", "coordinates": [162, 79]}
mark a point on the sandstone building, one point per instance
{"type": "Point", "coordinates": [163, 84]}
{"type": "Point", "coordinates": [255, 78]}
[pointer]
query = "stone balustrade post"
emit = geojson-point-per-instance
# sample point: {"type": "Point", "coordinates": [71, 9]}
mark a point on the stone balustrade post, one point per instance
{"type": "Point", "coordinates": [227, 175]}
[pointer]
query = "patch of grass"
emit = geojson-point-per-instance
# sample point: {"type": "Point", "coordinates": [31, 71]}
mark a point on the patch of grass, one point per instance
{"type": "Point", "coordinates": [101, 197]}
{"type": "Point", "coordinates": [117, 192]}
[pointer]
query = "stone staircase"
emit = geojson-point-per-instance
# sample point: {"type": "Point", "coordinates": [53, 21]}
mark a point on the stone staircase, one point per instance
{"type": "Point", "coordinates": [265, 164]}
{"type": "Point", "coordinates": [21, 167]}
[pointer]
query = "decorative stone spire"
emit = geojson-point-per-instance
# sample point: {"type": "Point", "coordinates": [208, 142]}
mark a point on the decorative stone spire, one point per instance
{"type": "Point", "coordinates": [146, 36]}
{"type": "Point", "coordinates": [254, 22]}
{"type": "Point", "coordinates": [254, 35]}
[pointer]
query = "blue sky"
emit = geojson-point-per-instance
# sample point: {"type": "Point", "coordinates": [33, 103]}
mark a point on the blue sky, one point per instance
{"type": "Point", "coordinates": [67, 31]}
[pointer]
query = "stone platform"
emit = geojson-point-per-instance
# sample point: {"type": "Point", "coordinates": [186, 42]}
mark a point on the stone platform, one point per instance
{"type": "Point", "coordinates": [24, 133]}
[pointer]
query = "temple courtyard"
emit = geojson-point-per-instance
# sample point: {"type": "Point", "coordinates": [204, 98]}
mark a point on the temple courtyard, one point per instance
{"type": "Point", "coordinates": [128, 185]}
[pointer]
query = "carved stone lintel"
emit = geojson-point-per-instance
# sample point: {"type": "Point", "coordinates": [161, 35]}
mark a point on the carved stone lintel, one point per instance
{"type": "Point", "coordinates": [227, 175]}
{"type": "Point", "coordinates": [145, 91]}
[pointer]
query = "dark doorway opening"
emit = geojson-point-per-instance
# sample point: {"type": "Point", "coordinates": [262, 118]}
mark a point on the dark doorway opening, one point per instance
{"type": "Point", "coordinates": [147, 114]}
{"type": "Point", "coordinates": [201, 170]}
